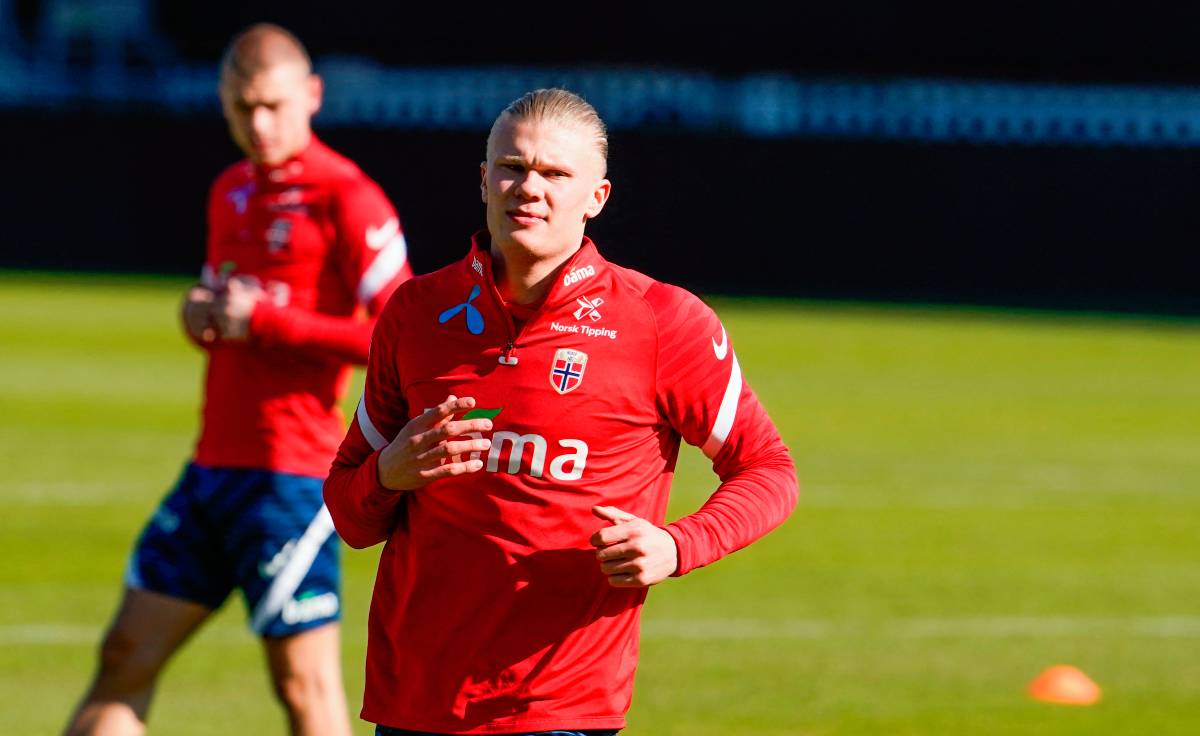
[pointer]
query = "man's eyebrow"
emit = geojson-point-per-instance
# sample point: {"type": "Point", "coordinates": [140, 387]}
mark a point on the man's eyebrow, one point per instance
{"type": "Point", "coordinates": [518, 159]}
{"type": "Point", "coordinates": [256, 101]}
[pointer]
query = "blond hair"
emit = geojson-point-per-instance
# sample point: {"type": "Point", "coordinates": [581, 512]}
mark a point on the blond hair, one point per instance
{"type": "Point", "coordinates": [558, 106]}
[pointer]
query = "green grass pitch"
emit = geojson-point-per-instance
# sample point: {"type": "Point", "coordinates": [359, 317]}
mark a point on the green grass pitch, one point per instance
{"type": "Point", "coordinates": [984, 494]}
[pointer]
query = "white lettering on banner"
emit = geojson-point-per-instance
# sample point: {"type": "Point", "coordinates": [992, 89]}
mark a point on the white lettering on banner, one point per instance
{"type": "Point", "coordinates": [584, 330]}
{"type": "Point", "coordinates": [578, 274]}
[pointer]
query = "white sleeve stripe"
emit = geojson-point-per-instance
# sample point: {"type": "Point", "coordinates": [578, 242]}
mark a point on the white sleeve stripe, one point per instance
{"type": "Point", "coordinates": [289, 578]}
{"type": "Point", "coordinates": [383, 269]}
{"type": "Point", "coordinates": [727, 413]}
{"type": "Point", "coordinates": [377, 440]}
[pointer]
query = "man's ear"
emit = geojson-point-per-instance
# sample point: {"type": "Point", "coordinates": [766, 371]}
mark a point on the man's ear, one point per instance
{"type": "Point", "coordinates": [599, 198]}
{"type": "Point", "coordinates": [483, 180]}
{"type": "Point", "coordinates": [316, 92]}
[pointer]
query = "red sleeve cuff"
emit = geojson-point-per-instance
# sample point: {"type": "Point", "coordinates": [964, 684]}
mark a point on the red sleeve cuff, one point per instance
{"type": "Point", "coordinates": [378, 498]}
{"type": "Point", "coordinates": [685, 561]}
{"type": "Point", "coordinates": [265, 323]}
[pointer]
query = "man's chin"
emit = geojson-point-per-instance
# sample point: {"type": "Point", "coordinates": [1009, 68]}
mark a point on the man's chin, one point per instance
{"type": "Point", "coordinates": [265, 156]}
{"type": "Point", "coordinates": [531, 242]}
{"type": "Point", "coordinates": [509, 238]}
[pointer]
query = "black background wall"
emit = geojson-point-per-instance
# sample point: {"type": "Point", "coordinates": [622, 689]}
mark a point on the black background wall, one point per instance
{"type": "Point", "coordinates": [1068, 227]}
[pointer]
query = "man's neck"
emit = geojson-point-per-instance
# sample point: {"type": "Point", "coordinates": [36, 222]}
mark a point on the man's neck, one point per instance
{"type": "Point", "coordinates": [523, 278]}
{"type": "Point", "coordinates": [299, 152]}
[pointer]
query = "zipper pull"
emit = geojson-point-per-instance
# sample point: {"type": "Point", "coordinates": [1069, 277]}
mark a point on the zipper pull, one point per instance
{"type": "Point", "coordinates": [508, 357]}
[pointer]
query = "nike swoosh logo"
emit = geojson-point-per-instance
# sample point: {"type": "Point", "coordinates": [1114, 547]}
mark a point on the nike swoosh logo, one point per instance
{"type": "Point", "coordinates": [721, 348]}
{"type": "Point", "coordinates": [379, 237]}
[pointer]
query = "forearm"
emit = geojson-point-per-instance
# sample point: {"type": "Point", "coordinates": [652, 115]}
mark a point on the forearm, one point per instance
{"type": "Point", "coordinates": [747, 505]}
{"type": "Point", "coordinates": [363, 511]}
{"type": "Point", "coordinates": [343, 338]}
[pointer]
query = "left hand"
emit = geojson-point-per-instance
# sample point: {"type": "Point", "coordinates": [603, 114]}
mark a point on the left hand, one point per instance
{"type": "Point", "coordinates": [232, 308]}
{"type": "Point", "coordinates": [633, 553]}
{"type": "Point", "coordinates": [197, 314]}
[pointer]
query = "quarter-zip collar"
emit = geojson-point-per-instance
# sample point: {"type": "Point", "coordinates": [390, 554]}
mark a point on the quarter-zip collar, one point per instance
{"type": "Point", "coordinates": [572, 278]}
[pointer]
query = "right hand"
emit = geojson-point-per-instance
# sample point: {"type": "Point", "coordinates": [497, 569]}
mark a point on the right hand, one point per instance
{"type": "Point", "coordinates": [426, 449]}
{"type": "Point", "coordinates": [233, 308]}
{"type": "Point", "coordinates": [198, 317]}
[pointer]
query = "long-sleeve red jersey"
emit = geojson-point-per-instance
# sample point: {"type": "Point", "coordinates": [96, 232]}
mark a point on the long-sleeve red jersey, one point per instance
{"type": "Point", "coordinates": [325, 244]}
{"type": "Point", "coordinates": [490, 613]}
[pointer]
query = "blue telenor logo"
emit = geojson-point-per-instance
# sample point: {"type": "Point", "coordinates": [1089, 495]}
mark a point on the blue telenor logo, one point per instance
{"type": "Point", "coordinates": [474, 316]}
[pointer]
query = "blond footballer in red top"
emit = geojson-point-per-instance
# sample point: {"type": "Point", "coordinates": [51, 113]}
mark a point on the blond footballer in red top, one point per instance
{"type": "Point", "coordinates": [303, 251]}
{"type": "Point", "coordinates": [515, 446]}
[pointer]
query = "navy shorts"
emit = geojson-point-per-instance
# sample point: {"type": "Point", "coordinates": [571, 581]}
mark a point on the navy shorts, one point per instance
{"type": "Point", "coordinates": [268, 534]}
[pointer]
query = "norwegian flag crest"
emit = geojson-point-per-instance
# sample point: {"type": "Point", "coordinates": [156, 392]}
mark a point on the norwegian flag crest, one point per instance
{"type": "Point", "coordinates": [566, 370]}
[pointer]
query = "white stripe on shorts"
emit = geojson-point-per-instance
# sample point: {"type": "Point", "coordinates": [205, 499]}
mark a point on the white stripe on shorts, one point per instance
{"type": "Point", "coordinates": [289, 578]}
{"type": "Point", "coordinates": [133, 577]}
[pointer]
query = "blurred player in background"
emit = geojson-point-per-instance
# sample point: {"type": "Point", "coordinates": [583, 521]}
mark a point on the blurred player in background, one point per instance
{"type": "Point", "coordinates": [300, 244]}
{"type": "Point", "coordinates": [524, 518]}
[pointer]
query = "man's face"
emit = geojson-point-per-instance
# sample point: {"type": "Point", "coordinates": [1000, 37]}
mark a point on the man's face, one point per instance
{"type": "Point", "coordinates": [542, 182]}
{"type": "Point", "coordinates": [270, 113]}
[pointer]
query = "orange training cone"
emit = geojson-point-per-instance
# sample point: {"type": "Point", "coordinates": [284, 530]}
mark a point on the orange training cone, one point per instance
{"type": "Point", "coordinates": [1065, 685]}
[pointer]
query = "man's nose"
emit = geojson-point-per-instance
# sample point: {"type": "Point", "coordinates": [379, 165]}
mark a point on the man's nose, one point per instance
{"type": "Point", "coordinates": [530, 186]}
{"type": "Point", "coordinates": [260, 120]}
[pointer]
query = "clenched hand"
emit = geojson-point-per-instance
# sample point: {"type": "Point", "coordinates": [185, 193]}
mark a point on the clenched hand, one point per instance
{"type": "Point", "coordinates": [633, 553]}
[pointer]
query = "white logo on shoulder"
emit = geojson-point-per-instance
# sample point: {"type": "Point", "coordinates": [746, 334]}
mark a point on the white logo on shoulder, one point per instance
{"type": "Point", "coordinates": [721, 348]}
{"type": "Point", "coordinates": [477, 265]}
{"type": "Point", "coordinates": [381, 236]}
{"type": "Point", "coordinates": [575, 275]}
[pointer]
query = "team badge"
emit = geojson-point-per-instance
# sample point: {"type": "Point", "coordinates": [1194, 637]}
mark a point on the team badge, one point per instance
{"type": "Point", "coordinates": [279, 235]}
{"type": "Point", "coordinates": [566, 371]}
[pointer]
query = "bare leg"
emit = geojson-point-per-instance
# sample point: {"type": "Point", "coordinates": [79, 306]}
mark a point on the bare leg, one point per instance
{"type": "Point", "coordinates": [306, 671]}
{"type": "Point", "coordinates": [146, 631]}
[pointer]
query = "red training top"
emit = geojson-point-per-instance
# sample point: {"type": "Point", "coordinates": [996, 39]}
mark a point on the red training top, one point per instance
{"type": "Point", "coordinates": [490, 613]}
{"type": "Point", "coordinates": [324, 242]}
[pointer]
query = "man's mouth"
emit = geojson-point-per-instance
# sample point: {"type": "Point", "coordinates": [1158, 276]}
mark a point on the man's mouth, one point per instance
{"type": "Point", "coordinates": [524, 218]}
